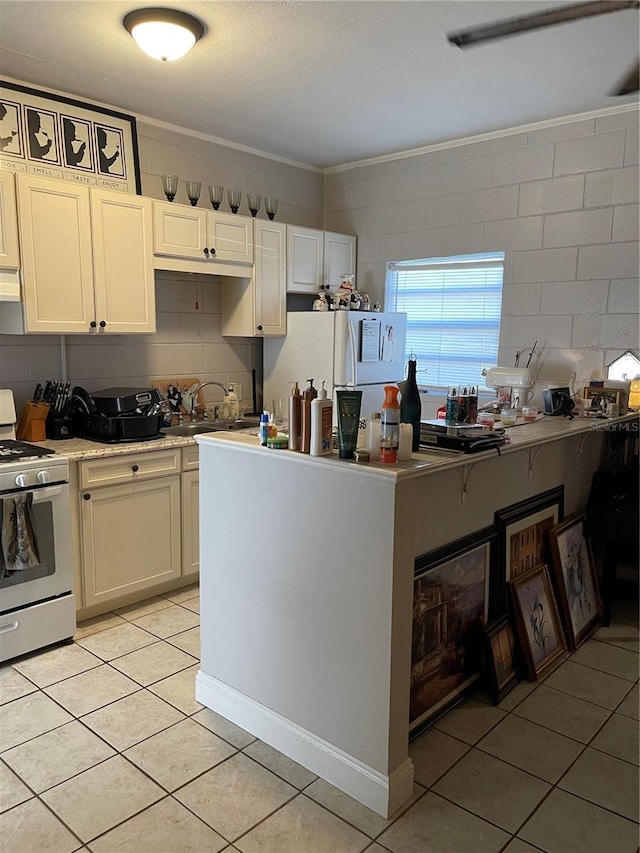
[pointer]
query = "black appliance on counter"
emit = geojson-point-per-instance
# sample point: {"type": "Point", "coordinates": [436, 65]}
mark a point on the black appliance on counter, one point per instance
{"type": "Point", "coordinates": [116, 415]}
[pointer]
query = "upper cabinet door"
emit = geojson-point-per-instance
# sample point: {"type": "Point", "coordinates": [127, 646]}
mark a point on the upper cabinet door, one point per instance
{"type": "Point", "coordinates": [339, 257]}
{"type": "Point", "coordinates": [9, 253]}
{"type": "Point", "coordinates": [230, 237]}
{"type": "Point", "coordinates": [123, 262]}
{"type": "Point", "coordinates": [270, 278]}
{"type": "Point", "coordinates": [55, 243]}
{"type": "Point", "coordinates": [180, 231]}
{"type": "Point", "coordinates": [304, 259]}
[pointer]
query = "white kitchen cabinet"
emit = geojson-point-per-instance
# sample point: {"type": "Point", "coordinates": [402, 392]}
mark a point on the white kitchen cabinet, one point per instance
{"type": "Point", "coordinates": [193, 234]}
{"type": "Point", "coordinates": [190, 481]}
{"type": "Point", "coordinates": [305, 254]}
{"type": "Point", "coordinates": [9, 252]}
{"type": "Point", "coordinates": [257, 306]}
{"type": "Point", "coordinates": [316, 258]}
{"type": "Point", "coordinates": [87, 259]}
{"type": "Point", "coordinates": [130, 519]}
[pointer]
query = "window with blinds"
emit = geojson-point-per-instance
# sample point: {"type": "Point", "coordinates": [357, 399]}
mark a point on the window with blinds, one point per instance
{"type": "Point", "coordinates": [453, 307]}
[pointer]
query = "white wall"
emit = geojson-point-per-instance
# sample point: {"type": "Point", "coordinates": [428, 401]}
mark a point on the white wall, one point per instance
{"type": "Point", "coordinates": [561, 201]}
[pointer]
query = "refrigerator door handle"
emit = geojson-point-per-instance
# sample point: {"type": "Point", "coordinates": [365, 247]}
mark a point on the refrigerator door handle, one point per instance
{"type": "Point", "coordinates": [352, 346]}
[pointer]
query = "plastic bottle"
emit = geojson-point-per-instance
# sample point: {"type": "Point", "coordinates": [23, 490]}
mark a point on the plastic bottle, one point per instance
{"type": "Point", "coordinates": [295, 418]}
{"type": "Point", "coordinates": [321, 424]}
{"type": "Point", "coordinates": [452, 406]}
{"type": "Point", "coordinates": [411, 405]}
{"type": "Point", "coordinates": [390, 425]}
{"type": "Point", "coordinates": [308, 395]}
{"type": "Point", "coordinates": [373, 436]}
{"type": "Point", "coordinates": [264, 428]}
{"type": "Point", "coordinates": [473, 405]}
{"type": "Point", "coordinates": [463, 406]}
{"type": "Point", "coordinates": [234, 405]}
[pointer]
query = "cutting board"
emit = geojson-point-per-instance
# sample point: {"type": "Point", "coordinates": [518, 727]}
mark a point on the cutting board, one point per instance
{"type": "Point", "coordinates": [179, 393]}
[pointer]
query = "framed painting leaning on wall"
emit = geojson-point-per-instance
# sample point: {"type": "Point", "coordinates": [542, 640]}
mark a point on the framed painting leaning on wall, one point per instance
{"type": "Point", "coordinates": [576, 580]}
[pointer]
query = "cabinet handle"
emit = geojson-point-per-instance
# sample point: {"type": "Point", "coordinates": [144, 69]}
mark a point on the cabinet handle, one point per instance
{"type": "Point", "coordinates": [206, 252]}
{"type": "Point", "coordinates": [87, 496]}
{"type": "Point", "coordinates": [134, 468]}
{"type": "Point", "coordinates": [259, 328]}
{"type": "Point", "coordinates": [92, 324]}
{"type": "Point", "coordinates": [103, 324]}
{"type": "Point", "coordinates": [212, 250]}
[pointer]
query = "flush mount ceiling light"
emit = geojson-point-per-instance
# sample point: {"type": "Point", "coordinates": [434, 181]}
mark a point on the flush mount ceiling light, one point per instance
{"type": "Point", "coordinates": [164, 34]}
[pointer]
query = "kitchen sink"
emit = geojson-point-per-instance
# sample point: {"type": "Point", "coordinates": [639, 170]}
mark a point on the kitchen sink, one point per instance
{"type": "Point", "coordinates": [198, 427]}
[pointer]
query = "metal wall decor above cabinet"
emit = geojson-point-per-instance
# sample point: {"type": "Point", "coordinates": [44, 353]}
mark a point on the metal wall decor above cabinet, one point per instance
{"type": "Point", "coordinates": [87, 260]}
{"type": "Point", "coordinates": [186, 232]}
{"type": "Point", "coordinates": [315, 258]}
{"type": "Point", "coordinates": [257, 306]}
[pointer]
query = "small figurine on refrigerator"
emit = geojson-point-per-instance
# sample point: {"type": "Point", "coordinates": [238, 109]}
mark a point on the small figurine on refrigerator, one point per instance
{"type": "Point", "coordinates": [343, 296]}
{"type": "Point", "coordinates": [366, 302]}
{"type": "Point", "coordinates": [321, 304]}
{"type": "Point", "coordinates": [377, 306]}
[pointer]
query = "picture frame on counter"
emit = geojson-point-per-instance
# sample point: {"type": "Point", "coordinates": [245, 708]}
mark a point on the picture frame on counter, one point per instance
{"type": "Point", "coordinates": [50, 135]}
{"type": "Point", "coordinates": [537, 620]}
{"type": "Point", "coordinates": [604, 401]}
{"type": "Point", "coordinates": [502, 658]}
{"type": "Point", "coordinates": [523, 543]}
{"type": "Point", "coordinates": [450, 611]}
{"type": "Point", "coordinates": [576, 580]}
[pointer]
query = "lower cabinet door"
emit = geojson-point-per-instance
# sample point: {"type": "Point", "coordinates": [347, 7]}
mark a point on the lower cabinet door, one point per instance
{"type": "Point", "coordinates": [190, 523]}
{"type": "Point", "coordinates": [130, 537]}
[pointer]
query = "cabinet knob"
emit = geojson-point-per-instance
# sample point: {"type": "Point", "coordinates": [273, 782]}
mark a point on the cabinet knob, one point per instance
{"type": "Point", "coordinates": [87, 496]}
{"type": "Point", "coordinates": [134, 468]}
{"type": "Point", "coordinates": [206, 252]}
{"type": "Point", "coordinates": [259, 328]}
{"type": "Point", "coordinates": [103, 324]}
{"type": "Point", "coordinates": [212, 250]}
{"type": "Point", "coordinates": [92, 324]}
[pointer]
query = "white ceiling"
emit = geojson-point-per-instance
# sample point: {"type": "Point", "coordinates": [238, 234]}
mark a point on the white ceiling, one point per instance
{"type": "Point", "coordinates": [325, 83]}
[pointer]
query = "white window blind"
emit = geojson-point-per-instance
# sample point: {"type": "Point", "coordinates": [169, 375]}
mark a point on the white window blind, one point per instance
{"type": "Point", "coordinates": [453, 307]}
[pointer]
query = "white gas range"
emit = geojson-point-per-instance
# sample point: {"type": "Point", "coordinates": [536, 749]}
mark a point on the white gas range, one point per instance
{"type": "Point", "coordinates": [37, 605]}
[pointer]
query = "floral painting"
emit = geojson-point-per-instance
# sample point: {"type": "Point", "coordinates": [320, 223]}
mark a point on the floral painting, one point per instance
{"type": "Point", "coordinates": [537, 617]}
{"type": "Point", "coordinates": [575, 579]}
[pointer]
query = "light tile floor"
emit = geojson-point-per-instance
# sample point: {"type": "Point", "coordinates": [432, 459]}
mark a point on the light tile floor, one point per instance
{"type": "Point", "coordinates": [103, 747]}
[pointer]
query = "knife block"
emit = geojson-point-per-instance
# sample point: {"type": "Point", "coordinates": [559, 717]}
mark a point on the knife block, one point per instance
{"type": "Point", "coordinates": [31, 426]}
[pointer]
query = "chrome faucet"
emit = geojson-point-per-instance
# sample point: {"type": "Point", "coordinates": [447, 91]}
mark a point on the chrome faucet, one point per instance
{"type": "Point", "coordinates": [194, 395]}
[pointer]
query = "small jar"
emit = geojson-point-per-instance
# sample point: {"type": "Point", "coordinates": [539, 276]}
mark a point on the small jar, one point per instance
{"type": "Point", "coordinates": [362, 455]}
{"type": "Point", "coordinates": [529, 413]}
{"type": "Point", "coordinates": [508, 417]}
{"type": "Point", "coordinates": [486, 419]}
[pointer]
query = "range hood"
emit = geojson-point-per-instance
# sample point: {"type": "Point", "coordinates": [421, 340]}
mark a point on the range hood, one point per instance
{"type": "Point", "coordinates": [9, 285]}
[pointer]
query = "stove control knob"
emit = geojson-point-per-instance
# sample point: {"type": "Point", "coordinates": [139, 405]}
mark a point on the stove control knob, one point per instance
{"type": "Point", "coordinates": [22, 480]}
{"type": "Point", "coordinates": [43, 476]}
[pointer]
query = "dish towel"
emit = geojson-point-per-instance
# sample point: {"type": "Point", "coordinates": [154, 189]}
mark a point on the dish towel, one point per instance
{"type": "Point", "coordinates": [18, 546]}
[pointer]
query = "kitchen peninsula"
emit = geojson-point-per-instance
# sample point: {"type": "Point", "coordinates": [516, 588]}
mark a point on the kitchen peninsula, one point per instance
{"type": "Point", "coordinates": [307, 567]}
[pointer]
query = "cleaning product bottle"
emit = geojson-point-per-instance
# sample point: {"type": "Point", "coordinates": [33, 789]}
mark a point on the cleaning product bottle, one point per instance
{"type": "Point", "coordinates": [308, 395]}
{"type": "Point", "coordinates": [295, 418]}
{"type": "Point", "coordinates": [390, 425]}
{"type": "Point", "coordinates": [264, 428]}
{"type": "Point", "coordinates": [373, 436]}
{"type": "Point", "coordinates": [321, 424]}
{"type": "Point", "coordinates": [463, 406]}
{"type": "Point", "coordinates": [452, 406]}
{"type": "Point", "coordinates": [411, 405]}
{"type": "Point", "coordinates": [473, 405]}
{"type": "Point", "coordinates": [234, 404]}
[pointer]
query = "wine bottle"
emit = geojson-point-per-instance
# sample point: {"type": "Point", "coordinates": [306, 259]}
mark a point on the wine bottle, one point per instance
{"type": "Point", "coordinates": [410, 404]}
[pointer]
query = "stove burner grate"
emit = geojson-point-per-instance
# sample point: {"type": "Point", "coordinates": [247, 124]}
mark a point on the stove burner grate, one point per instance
{"type": "Point", "coordinates": [15, 451]}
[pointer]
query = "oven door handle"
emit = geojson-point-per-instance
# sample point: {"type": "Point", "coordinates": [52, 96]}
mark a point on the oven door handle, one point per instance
{"type": "Point", "coordinates": [41, 495]}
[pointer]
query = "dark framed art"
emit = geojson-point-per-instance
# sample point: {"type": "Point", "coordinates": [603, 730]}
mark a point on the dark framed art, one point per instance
{"type": "Point", "coordinates": [450, 610]}
{"type": "Point", "coordinates": [522, 542]}
{"type": "Point", "coordinates": [501, 658]}
{"type": "Point", "coordinates": [537, 620]}
{"type": "Point", "coordinates": [576, 579]}
{"type": "Point", "coordinates": [42, 133]}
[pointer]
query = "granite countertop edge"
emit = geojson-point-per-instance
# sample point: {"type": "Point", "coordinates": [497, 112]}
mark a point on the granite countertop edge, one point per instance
{"type": "Point", "coordinates": [79, 449]}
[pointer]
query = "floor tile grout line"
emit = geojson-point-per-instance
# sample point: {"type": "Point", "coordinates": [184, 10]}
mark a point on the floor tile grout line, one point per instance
{"type": "Point", "coordinates": [588, 701]}
{"type": "Point", "coordinates": [586, 665]}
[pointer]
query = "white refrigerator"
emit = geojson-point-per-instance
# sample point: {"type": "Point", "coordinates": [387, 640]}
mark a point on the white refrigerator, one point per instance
{"type": "Point", "coordinates": [348, 349]}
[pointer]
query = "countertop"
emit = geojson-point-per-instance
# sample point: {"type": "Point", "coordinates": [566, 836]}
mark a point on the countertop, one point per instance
{"type": "Point", "coordinates": [78, 449]}
{"type": "Point", "coordinates": [426, 461]}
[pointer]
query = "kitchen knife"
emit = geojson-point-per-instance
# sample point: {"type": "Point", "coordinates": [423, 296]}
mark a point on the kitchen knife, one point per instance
{"type": "Point", "coordinates": [37, 393]}
{"type": "Point", "coordinates": [47, 391]}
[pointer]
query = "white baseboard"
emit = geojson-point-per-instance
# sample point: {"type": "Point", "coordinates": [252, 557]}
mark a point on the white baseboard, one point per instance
{"type": "Point", "coordinates": [381, 793]}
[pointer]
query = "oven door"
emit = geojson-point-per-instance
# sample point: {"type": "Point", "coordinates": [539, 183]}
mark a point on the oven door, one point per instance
{"type": "Point", "coordinates": [50, 570]}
